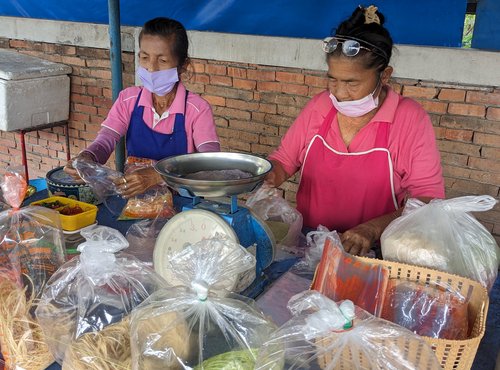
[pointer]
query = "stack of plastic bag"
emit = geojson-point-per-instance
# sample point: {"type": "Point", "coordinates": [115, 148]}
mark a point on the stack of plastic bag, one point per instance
{"type": "Point", "coordinates": [341, 276]}
{"type": "Point", "coordinates": [284, 221]}
{"type": "Point", "coordinates": [430, 310]}
{"type": "Point", "coordinates": [343, 336]}
{"type": "Point", "coordinates": [153, 203]}
{"type": "Point", "coordinates": [84, 308]}
{"type": "Point", "coordinates": [31, 250]}
{"type": "Point", "coordinates": [198, 323]}
{"type": "Point", "coordinates": [443, 235]}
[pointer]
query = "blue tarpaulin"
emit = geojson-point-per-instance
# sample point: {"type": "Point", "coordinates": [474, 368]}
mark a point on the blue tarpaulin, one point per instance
{"type": "Point", "coordinates": [424, 22]}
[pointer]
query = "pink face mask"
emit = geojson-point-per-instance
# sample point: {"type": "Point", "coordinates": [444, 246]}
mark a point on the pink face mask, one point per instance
{"type": "Point", "coordinates": [159, 82]}
{"type": "Point", "coordinates": [356, 108]}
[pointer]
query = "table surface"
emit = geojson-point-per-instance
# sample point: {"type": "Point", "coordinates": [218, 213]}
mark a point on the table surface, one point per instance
{"type": "Point", "coordinates": [488, 349]}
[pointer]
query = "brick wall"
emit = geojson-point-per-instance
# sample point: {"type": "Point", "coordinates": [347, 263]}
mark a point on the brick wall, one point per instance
{"type": "Point", "coordinates": [254, 105]}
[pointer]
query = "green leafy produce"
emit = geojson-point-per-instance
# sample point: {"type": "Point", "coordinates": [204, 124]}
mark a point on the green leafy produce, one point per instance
{"type": "Point", "coordinates": [234, 360]}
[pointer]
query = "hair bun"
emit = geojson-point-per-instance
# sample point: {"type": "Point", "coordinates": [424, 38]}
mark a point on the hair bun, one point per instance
{"type": "Point", "coordinates": [371, 15]}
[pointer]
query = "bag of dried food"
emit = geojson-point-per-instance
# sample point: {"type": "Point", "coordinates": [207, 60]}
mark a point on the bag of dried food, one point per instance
{"type": "Point", "coordinates": [84, 308]}
{"type": "Point", "coordinates": [443, 235]}
{"type": "Point", "coordinates": [31, 238]}
{"type": "Point", "coordinates": [341, 336]}
{"type": "Point", "coordinates": [199, 323]}
{"type": "Point", "coordinates": [31, 250]}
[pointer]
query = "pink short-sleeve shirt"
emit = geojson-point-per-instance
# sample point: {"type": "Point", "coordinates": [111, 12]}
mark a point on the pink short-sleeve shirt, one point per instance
{"type": "Point", "coordinates": [411, 143]}
{"type": "Point", "coordinates": [200, 125]}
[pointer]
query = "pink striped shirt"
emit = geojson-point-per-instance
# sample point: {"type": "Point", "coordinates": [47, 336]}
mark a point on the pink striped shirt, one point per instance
{"type": "Point", "coordinates": [411, 143]}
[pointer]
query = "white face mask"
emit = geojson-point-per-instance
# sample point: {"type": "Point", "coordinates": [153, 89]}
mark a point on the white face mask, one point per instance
{"type": "Point", "coordinates": [356, 108]}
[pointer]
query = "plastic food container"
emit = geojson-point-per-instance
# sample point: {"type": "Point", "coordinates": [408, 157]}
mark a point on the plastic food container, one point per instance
{"type": "Point", "coordinates": [70, 222]}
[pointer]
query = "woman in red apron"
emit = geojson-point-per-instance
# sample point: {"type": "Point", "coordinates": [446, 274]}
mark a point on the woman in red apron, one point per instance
{"type": "Point", "coordinates": [360, 148]}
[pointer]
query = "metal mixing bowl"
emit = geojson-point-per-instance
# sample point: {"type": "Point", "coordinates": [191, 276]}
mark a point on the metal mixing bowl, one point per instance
{"type": "Point", "coordinates": [174, 169]}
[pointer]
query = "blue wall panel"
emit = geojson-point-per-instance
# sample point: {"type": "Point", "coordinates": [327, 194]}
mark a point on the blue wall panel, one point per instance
{"type": "Point", "coordinates": [487, 26]}
{"type": "Point", "coordinates": [424, 22]}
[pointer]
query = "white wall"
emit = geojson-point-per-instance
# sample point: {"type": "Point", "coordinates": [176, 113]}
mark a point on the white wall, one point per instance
{"type": "Point", "coordinates": [449, 65]}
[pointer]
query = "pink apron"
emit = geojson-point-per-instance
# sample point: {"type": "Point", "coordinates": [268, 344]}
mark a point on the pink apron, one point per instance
{"type": "Point", "coordinates": [342, 190]}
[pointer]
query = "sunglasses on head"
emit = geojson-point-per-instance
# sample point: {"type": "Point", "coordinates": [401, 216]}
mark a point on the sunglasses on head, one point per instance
{"type": "Point", "coordinates": [350, 46]}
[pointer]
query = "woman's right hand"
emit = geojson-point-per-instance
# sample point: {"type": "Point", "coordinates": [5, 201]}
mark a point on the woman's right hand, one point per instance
{"type": "Point", "coordinates": [70, 170]}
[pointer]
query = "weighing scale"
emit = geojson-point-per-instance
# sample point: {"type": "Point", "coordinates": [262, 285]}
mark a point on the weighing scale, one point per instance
{"type": "Point", "coordinates": [201, 218]}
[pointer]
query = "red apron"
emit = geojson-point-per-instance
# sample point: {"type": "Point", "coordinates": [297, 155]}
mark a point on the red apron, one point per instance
{"type": "Point", "coordinates": [342, 190]}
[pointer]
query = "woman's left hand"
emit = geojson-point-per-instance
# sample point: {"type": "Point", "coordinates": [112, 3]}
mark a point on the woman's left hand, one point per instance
{"type": "Point", "coordinates": [359, 240]}
{"type": "Point", "coordinates": [137, 182]}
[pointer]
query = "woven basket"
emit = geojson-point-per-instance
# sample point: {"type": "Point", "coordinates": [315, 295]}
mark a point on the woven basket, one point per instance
{"type": "Point", "coordinates": [452, 354]}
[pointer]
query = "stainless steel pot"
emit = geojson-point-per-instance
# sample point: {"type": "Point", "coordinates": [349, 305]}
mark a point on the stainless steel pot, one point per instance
{"type": "Point", "coordinates": [175, 169]}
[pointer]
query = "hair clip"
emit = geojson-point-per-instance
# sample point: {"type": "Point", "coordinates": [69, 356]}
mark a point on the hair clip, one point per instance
{"type": "Point", "coordinates": [371, 15]}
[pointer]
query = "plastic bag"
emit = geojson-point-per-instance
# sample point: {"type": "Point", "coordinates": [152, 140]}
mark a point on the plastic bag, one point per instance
{"type": "Point", "coordinates": [102, 181]}
{"type": "Point", "coordinates": [443, 235]}
{"type": "Point", "coordinates": [142, 236]}
{"type": "Point", "coordinates": [31, 238]}
{"type": "Point", "coordinates": [341, 337]}
{"type": "Point", "coordinates": [342, 276]}
{"type": "Point", "coordinates": [22, 343]}
{"type": "Point", "coordinates": [198, 323]}
{"type": "Point", "coordinates": [284, 221]}
{"type": "Point", "coordinates": [155, 202]}
{"type": "Point", "coordinates": [94, 290]}
{"type": "Point", "coordinates": [427, 310]}
{"type": "Point", "coordinates": [31, 249]}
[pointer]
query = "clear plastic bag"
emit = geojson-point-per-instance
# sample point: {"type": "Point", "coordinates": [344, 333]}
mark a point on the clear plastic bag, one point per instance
{"type": "Point", "coordinates": [102, 180]}
{"type": "Point", "coordinates": [427, 310]}
{"type": "Point", "coordinates": [142, 236]}
{"type": "Point", "coordinates": [155, 202]}
{"type": "Point", "coordinates": [443, 235]}
{"type": "Point", "coordinates": [31, 238]}
{"type": "Point", "coordinates": [92, 291]}
{"type": "Point", "coordinates": [330, 336]}
{"type": "Point", "coordinates": [31, 249]}
{"type": "Point", "coordinates": [198, 323]}
{"type": "Point", "coordinates": [284, 221]}
{"type": "Point", "coordinates": [341, 276]}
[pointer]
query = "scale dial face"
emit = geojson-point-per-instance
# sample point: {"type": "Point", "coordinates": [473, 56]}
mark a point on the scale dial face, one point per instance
{"type": "Point", "coordinates": [188, 227]}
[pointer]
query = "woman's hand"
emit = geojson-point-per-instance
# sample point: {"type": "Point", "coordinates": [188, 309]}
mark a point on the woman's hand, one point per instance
{"type": "Point", "coordinates": [70, 170]}
{"type": "Point", "coordinates": [137, 182]}
{"type": "Point", "coordinates": [359, 240]}
{"type": "Point", "coordinates": [277, 175]}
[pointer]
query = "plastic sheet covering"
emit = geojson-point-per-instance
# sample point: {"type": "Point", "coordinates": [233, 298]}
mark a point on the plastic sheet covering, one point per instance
{"type": "Point", "coordinates": [198, 323]}
{"type": "Point", "coordinates": [92, 291]}
{"type": "Point", "coordinates": [289, 18]}
{"type": "Point", "coordinates": [323, 334]}
{"type": "Point", "coordinates": [443, 235]}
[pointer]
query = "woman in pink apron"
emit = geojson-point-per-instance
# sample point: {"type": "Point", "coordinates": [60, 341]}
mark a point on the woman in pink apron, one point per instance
{"type": "Point", "coordinates": [160, 118]}
{"type": "Point", "coordinates": [360, 148]}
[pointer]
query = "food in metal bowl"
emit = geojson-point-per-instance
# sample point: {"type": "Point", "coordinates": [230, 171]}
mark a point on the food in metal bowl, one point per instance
{"type": "Point", "coordinates": [190, 172]}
